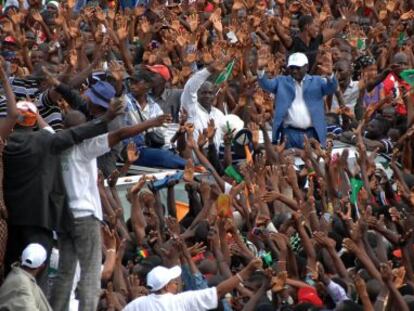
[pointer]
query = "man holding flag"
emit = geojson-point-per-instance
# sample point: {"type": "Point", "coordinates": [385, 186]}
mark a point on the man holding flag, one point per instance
{"type": "Point", "coordinates": [198, 98]}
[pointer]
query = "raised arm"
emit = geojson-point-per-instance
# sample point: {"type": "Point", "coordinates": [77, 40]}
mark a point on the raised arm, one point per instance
{"type": "Point", "coordinates": [7, 123]}
{"type": "Point", "coordinates": [72, 136]}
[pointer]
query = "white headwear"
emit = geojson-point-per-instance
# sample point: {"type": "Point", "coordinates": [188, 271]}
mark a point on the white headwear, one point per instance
{"type": "Point", "coordinates": [232, 122]}
{"type": "Point", "coordinates": [160, 276]}
{"type": "Point", "coordinates": [297, 59]}
{"type": "Point", "coordinates": [33, 256]}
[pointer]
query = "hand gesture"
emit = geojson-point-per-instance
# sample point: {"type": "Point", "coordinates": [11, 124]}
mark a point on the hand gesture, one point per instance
{"type": "Point", "coordinates": [36, 16]}
{"type": "Point", "coordinates": [117, 70]}
{"type": "Point", "coordinates": [386, 272]}
{"type": "Point", "coordinates": [211, 129]}
{"type": "Point", "coordinates": [189, 171]}
{"type": "Point", "coordinates": [279, 281]}
{"type": "Point", "coordinates": [113, 178]}
{"type": "Point", "coordinates": [193, 21]}
{"type": "Point", "coordinates": [327, 67]}
{"type": "Point", "coordinates": [138, 186]}
{"type": "Point", "coordinates": [51, 80]}
{"type": "Point", "coordinates": [116, 108]}
{"type": "Point", "coordinates": [122, 30]}
{"type": "Point", "coordinates": [145, 25]}
{"type": "Point", "coordinates": [108, 238]}
{"type": "Point", "coordinates": [132, 153]}
{"type": "Point", "coordinates": [135, 287]}
{"type": "Point", "coordinates": [161, 120]}
{"type": "Point", "coordinates": [254, 265]}
{"type": "Point", "coordinates": [238, 5]}
{"type": "Point", "coordinates": [263, 57]}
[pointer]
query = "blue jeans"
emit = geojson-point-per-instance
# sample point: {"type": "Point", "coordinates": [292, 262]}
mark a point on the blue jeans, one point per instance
{"type": "Point", "coordinates": [154, 157]}
{"type": "Point", "coordinates": [294, 137]}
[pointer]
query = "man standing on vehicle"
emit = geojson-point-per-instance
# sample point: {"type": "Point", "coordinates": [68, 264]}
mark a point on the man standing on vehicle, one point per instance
{"type": "Point", "coordinates": [300, 107]}
{"type": "Point", "coordinates": [83, 243]}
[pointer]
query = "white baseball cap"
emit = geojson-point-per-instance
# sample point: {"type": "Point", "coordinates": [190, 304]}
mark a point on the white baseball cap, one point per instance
{"type": "Point", "coordinates": [160, 276]}
{"type": "Point", "coordinates": [34, 255]}
{"type": "Point", "coordinates": [25, 105]}
{"type": "Point", "coordinates": [297, 59]}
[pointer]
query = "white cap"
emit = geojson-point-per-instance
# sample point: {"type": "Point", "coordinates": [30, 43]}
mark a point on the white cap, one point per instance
{"type": "Point", "coordinates": [232, 122]}
{"type": "Point", "coordinates": [34, 255]}
{"type": "Point", "coordinates": [25, 105]}
{"type": "Point", "coordinates": [160, 276]}
{"type": "Point", "coordinates": [297, 59]}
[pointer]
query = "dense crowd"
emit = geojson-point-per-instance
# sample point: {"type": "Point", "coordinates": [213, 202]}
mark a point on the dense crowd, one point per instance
{"type": "Point", "coordinates": [287, 124]}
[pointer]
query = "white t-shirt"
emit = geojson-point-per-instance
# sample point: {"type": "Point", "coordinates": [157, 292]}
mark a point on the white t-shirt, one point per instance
{"type": "Point", "coordinates": [80, 175]}
{"type": "Point", "coordinates": [350, 96]}
{"type": "Point", "coordinates": [196, 300]}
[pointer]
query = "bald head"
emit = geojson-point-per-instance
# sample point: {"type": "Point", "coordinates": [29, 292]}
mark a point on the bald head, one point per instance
{"type": "Point", "coordinates": [74, 118]}
{"type": "Point", "coordinates": [206, 95]}
{"type": "Point", "coordinates": [399, 63]}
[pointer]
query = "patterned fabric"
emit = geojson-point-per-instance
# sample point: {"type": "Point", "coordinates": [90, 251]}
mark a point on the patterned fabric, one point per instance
{"type": "Point", "coordinates": [29, 88]}
{"type": "Point", "coordinates": [3, 223]}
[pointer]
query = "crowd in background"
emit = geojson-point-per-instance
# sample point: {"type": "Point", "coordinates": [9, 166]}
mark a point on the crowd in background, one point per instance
{"type": "Point", "coordinates": [291, 127]}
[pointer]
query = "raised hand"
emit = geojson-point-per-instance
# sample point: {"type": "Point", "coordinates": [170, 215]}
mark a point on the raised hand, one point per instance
{"type": "Point", "coordinates": [193, 21]}
{"type": "Point", "coordinates": [161, 120]}
{"type": "Point", "coordinates": [263, 57]}
{"type": "Point", "coordinates": [211, 129]}
{"type": "Point", "coordinates": [132, 152]}
{"type": "Point", "coordinates": [117, 70]}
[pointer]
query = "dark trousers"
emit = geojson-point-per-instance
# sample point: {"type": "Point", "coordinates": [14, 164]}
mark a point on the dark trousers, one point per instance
{"type": "Point", "coordinates": [294, 137]}
{"type": "Point", "coordinates": [19, 238]}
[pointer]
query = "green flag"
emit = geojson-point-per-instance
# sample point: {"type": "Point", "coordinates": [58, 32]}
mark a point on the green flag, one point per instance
{"type": "Point", "coordinates": [401, 39]}
{"type": "Point", "coordinates": [360, 44]}
{"type": "Point", "coordinates": [223, 76]}
{"type": "Point", "coordinates": [408, 76]}
{"type": "Point", "coordinates": [231, 172]}
{"type": "Point", "coordinates": [356, 185]}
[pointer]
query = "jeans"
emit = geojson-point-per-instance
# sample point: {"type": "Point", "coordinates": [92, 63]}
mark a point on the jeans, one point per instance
{"type": "Point", "coordinates": [294, 137]}
{"type": "Point", "coordinates": [154, 157]}
{"type": "Point", "coordinates": [83, 244]}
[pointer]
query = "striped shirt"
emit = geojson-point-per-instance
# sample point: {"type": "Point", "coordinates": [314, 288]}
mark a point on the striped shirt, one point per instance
{"type": "Point", "coordinates": [25, 89]}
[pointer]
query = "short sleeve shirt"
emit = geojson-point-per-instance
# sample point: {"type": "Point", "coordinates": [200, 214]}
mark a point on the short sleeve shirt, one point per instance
{"type": "Point", "coordinates": [310, 50]}
{"type": "Point", "coordinates": [195, 300]}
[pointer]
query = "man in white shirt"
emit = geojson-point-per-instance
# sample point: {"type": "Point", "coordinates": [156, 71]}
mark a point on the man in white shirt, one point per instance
{"type": "Point", "coordinates": [198, 100]}
{"type": "Point", "coordinates": [349, 88]}
{"type": "Point", "coordinates": [163, 283]}
{"type": "Point", "coordinates": [80, 174]}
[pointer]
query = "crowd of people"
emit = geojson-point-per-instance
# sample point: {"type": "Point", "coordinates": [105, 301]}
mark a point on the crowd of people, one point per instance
{"type": "Point", "coordinates": [261, 93]}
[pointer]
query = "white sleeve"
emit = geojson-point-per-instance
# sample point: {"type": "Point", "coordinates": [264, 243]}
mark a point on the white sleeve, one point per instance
{"type": "Point", "coordinates": [49, 129]}
{"type": "Point", "coordinates": [189, 95]}
{"type": "Point", "coordinates": [95, 147]}
{"type": "Point", "coordinates": [204, 299]}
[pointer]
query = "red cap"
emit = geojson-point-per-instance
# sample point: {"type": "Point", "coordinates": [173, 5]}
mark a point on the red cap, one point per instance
{"type": "Point", "coordinates": [397, 253]}
{"type": "Point", "coordinates": [209, 8]}
{"type": "Point", "coordinates": [9, 39]}
{"type": "Point", "coordinates": [309, 294]}
{"type": "Point", "coordinates": [162, 70]}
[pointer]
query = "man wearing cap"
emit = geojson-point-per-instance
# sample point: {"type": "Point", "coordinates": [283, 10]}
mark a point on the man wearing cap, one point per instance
{"type": "Point", "coordinates": [299, 100]}
{"type": "Point", "coordinates": [20, 290]}
{"type": "Point", "coordinates": [164, 284]}
{"type": "Point", "coordinates": [34, 192]}
{"type": "Point", "coordinates": [168, 98]}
